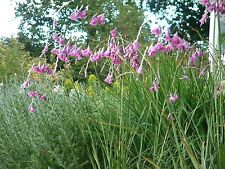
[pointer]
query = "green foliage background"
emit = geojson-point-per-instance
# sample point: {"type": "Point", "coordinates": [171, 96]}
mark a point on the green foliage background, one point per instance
{"type": "Point", "coordinates": [36, 23]}
{"type": "Point", "coordinates": [125, 15]}
{"type": "Point", "coordinates": [14, 59]}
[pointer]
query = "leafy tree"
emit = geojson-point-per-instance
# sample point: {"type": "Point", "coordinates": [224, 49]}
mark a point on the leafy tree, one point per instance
{"type": "Point", "coordinates": [185, 19]}
{"type": "Point", "coordinates": [36, 20]}
{"type": "Point", "coordinates": [126, 15]}
{"type": "Point", "coordinates": [14, 60]}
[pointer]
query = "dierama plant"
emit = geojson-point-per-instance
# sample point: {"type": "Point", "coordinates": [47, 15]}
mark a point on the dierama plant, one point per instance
{"type": "Point", "coordinates": [164, 80]}
{"type": "Point", "coordinates": [116, 52]}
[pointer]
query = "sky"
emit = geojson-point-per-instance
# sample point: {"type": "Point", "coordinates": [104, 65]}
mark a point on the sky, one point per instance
{"type": "Point", "coordinates": [8, 22]}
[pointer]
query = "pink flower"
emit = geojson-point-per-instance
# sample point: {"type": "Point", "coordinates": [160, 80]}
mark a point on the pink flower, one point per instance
{"type": "Point", "coordinates": [175, 40]}
{"type": "Point", "coordinates": [156, 31]}
{"type": "Point", "coordinates": [109, 78]}
{"type": "Point", "coordinates": [82, 14]}
{"type": "Point", "coordinates": [31, 108]}
{"type": "Point", "coordinates": [167, 37]}
{"type": "Point", "coordinates": [55, 37]}
{"type": "Point", "coordinates": [63, 57]}
{"type": "Point", "coordinates": [61, 41]}
{"type": "Point", "coordinates": [36, 69]}
{"type": "Point", "coordinates": [211, 8]}
{"type": "Point", "coordinates": [26, 84]}
{"type": "Point", "coordinates": [204, 2]}
{"type": "Point", "coordinates": [218, 6]}
{"type": "Point", "coordinates": [134, 62]}
{"type": "Point", "coordinates": [42, 97]}
{"type": "Point", "coordinates": [131, 49]}
{"type": "Point", "coordinates": [37, 95]}
{"type": "Point", "coordinates": [78, 14]}
{"type": "Point", "coordinates": [169, 48]}
{"type": "Point", "coordinates": [94, 21]}
{"type": "Point", "coordinates": [159, 47]}
{"type": "Point", "coordinates": [199, 53]}
{"type": "Point", "coordinates": [152, 89]}
{"type": "Point", "coordinates": [173, 98]}
{"type": "Point", "coordinates": [58, 38]}
{"type": "Point", "coordinates": [193, 60]}
{"type": "Point", "coordinates": [153, 50]}
{"type": "Point", "coordinates": [74, 16]}
{"type": "Point", "coordinates": [204, 18]}
{"type": "Point", "coordinates": [74, 52]}
{"type": "Point", "coordinates": [42, 69]}
{"type": "Point", "coordinates": [95, 57]}
{"type": "Point", "coordinates": [33, 94]}
{"type": "Point", "coordinates": [117, 60]}
{"type": "Point", "coordinates": [101, 53]}
{"type": "Point", "coordinates": [195, 56]}
{"type": "Point", "coordinates": [55, 51]}
{"type": "Point", "coordinates": [155, 87]}
{"type": "Point", "coordinates": [183, 45]}
{"type": "Point", "coordinates": [86, 52]}
{"type": "Point", "coordinates": [140, 70]}
{"type": "Point", "coordinates": [45, 50]}
{"type": "Point", "coordinates": [178, 43]}
{"type": "Point", "coordinates": [135, 46]}
{"type": "Point", "coordinates": [99, 19]}
{"type": "Point", "coordinates": [113, 33]}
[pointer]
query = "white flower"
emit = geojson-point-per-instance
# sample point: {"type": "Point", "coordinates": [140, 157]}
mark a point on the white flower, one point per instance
{"type": "Point", "coordinates": [1, 85]}
{"type": "Point", "coordinates": [58, 89]}
{"type": "Point", "coordinates": [22, 91]}
{"type": "Point", "coordinates": [72, 93]}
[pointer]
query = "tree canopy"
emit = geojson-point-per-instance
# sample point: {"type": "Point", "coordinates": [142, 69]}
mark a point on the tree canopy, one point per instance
{"type": "Point", "coordinates": [37, 18]}
{"type": "Point", "coordinates": [185, 16]}
{"type": "Point", "coordinates": [127, 15]}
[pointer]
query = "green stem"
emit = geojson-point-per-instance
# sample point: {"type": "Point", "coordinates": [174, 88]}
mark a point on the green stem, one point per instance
{"type": "Point", "coordinates": [219, 49]}
{"type": "Point", "coordinates": [213, 57]}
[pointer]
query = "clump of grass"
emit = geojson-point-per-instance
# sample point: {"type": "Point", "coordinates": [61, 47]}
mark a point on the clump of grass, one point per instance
{"type": "Point", "coordinates": [118, 126]}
